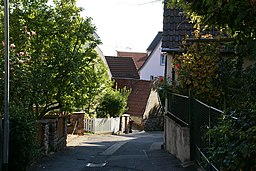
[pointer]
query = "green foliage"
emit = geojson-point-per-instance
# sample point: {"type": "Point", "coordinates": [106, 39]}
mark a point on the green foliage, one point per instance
{"type": "Point", "coordinates": [235, 17]}
{"type": "Point", "coordinates": [53, 66]}
{"type": "Point", "coordinates": [162, 86]}
{"type": "Point", "coordinates": [197, 70]}
{"type": "Point", "coordinates": [232, 13]}
{"type": "Point", "coordinates": [241, 95]}
{"type": "Point", "coordinates": [94, 90]}
{"type": "Point", "coordinates": [60, 68]}
{"type": "Point", "coordinates": [114, 103]}
{"type": "Point", "coordinates": [23, 148]}
{"type": "Point", "coordinates": [233, 141]}
{"type": "Point", "coordinates": [19, 75]}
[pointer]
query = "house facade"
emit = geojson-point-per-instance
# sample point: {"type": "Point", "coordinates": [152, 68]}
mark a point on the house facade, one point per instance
{"type": "Point", "coordinates": [154, 65]}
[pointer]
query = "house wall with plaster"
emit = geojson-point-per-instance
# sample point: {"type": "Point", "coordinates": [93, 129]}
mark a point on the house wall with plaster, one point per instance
{"type": "Point", "coordinates": [152, 66]}
{"type": "Point", "coordinates": [153, 103]}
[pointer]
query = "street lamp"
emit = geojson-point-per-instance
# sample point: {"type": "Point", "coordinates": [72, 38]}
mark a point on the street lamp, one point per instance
{"type": "Point", "coordinates": [6, 109]}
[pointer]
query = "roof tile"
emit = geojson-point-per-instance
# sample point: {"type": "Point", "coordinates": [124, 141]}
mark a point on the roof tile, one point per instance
{"type": "Point", "coordinates": [175, 27]}
{"type": "Point", "coordinates": [140, 91]}
{"type": "Point", "coordinates": [139, 57]}
{"type": "Point", "coordinates": [122, 67]}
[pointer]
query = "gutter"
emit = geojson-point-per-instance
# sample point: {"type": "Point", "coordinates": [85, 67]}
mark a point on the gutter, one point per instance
{"type": "Point", "coordinates": [175, 50]}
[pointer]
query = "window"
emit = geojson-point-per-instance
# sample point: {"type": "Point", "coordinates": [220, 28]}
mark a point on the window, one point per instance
{"type": "Point", "coordinates": [151, 77]}
{"type": "Point", "coordinates": [162, 59]}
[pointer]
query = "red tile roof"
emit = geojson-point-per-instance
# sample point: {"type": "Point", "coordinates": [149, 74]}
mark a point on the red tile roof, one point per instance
{"type": "Point", "coordinates": [137, 101]}
{"type": "Point", "coordinates": [138, 57]}
{"type": "Point", "coordinates": [122, 67]}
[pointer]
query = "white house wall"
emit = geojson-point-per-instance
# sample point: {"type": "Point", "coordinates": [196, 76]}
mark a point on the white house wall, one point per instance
{"type": "Point", "coordinates": [169, 67]}
{"type": "Point", "coordinates": [152, 66]}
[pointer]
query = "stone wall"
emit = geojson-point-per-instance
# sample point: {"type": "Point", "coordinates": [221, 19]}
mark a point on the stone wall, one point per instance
{"type": "Point", "coordinates": [51, 135]}
{"type": "Point", "coordinates": [76, 123]}
{"type": "Point", "coordinates": [177, 140]}
{"type": "Point", "coordinates": [154, 124]}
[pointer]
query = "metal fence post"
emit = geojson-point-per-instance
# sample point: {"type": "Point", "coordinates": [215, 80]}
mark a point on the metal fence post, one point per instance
{"type": "Point", "coordinates": [209, 126]}
{"type": "Point", "coordinates": [191, 132]}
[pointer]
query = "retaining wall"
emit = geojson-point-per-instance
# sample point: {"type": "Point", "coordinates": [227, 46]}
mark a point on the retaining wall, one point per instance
{"type": "Point", "coordinates": [177, 140]}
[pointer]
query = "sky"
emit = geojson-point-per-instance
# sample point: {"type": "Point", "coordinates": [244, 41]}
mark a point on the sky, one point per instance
{"type": "Point", "coordinates": [124, 25]}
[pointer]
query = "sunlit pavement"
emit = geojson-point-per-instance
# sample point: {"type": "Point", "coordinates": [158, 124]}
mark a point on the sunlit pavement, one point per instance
{"type": "Point", "coordinates": [139, 151]}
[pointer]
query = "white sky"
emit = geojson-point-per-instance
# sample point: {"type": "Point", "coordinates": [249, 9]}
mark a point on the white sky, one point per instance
{"type": "Point", "coordinates": [124, 25]}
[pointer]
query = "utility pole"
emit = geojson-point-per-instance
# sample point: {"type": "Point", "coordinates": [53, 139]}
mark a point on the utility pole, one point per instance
{"type": "Point", "coordinates": [6, 109]}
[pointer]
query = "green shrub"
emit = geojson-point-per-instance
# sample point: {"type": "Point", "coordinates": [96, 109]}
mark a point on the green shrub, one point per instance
{"type": "Point", "coordinates": [22, 144]}
{"type": "Point", "coordinates": [233, 141]}
{"type": "Point", "coordinates": [113, 104]}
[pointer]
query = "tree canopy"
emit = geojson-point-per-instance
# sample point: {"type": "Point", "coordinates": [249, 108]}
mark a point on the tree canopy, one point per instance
{"type": "Point", "coordinates": [53, 61]}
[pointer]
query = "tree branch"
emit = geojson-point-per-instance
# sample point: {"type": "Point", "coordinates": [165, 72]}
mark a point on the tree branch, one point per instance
{"type": "Point", "coordinates": [47, 108]}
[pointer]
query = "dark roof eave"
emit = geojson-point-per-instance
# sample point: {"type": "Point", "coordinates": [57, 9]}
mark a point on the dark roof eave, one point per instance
{"type": "Point", "coordinates": [155, 41]}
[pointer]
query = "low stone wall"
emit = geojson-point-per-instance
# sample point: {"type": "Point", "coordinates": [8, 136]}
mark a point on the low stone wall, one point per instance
{"type": "Point", "coordinates": [76, 124]}
{"type": "Point", "coordinates": [154, 124]}
{"type": "Point", "coordinates": [177, 140]}
{"type": "Point", "coordinates": [52, 134]}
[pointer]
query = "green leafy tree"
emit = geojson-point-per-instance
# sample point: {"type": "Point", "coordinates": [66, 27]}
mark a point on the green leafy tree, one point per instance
{"type": "Point", "coordinates": [53, 66]}
{"type": "Point", "coordinates": [99, 84]}
{"type": "Point", "coordinates": [64, 70]}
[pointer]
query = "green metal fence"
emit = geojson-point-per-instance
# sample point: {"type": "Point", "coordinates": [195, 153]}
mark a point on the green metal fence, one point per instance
{"type": "Point", "coordinates": [199, 117]}
{"type": "Point", "coordinates": [178, 107]}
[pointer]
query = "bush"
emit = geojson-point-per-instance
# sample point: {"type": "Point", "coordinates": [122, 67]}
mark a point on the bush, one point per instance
{"type": "Point", "coordinates": [113, 104]}
{"type": "Point", "coordinates": [22, 145]}
{"type": "Point", "coordinates": [233, 141]}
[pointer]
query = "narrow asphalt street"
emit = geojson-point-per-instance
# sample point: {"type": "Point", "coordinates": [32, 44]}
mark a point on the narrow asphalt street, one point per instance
{"type": "Point", "coordinates": [133, 152]}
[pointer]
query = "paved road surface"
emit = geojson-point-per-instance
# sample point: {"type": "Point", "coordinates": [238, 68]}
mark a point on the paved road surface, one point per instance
{"type": "Point", "coordinates": [133, 152]}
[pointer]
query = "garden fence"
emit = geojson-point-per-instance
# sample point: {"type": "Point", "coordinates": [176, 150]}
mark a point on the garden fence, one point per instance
{"type": "Point", "coordinates": [102, 125]}
{"type": "Point", "coordinates": [199, 117]}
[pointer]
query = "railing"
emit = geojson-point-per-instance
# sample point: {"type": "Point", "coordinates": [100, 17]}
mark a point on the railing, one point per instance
{"type": "Point", "coordinates": [199, 117]}
{"type": "Point", "coordinates": [178, 107]}
{"type": "Point", "coordinates": [203, 117]}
